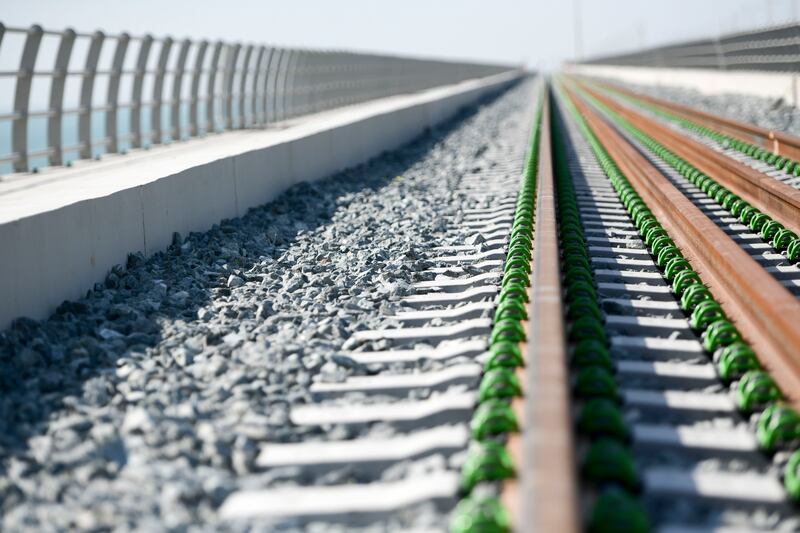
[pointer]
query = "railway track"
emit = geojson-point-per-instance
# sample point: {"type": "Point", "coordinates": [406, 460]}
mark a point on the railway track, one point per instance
{"type": "Point", "coordinates": [599, 333]}
{"type": "Point", "coordinates": [698, 458]}
{"type": "Point", "coordinates": [411, 417]}
{"type": "Point", "coordinates": [636, 375]}
{"type": "Point", "coordinates": [775, 148]}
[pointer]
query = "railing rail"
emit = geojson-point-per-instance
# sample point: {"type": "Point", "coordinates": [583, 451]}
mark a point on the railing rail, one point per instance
{"type": "Point", "coordinates": [139, 91]}
{"type": "Point", "coordinates": [772, 49]}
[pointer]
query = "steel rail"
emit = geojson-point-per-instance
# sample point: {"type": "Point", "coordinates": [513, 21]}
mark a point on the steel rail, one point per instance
{"type": "Point", "coordinates": [769, 195]}
{"type": "Point", "coordinates": [764, 310]}
{"type": "Point", "coordinates": [546, 498]}
{"type": "Point", "coordinates": [778, 142]}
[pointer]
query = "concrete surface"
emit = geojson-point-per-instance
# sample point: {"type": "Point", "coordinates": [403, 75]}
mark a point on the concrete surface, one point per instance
{"type": "Point", "coordinates": [763, 84]}
{"type": "Point", "coordinates": [62, 230]}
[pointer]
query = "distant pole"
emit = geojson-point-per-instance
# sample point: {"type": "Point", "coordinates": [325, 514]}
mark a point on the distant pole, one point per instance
{"type": "Point", "coordinates": [576, 7]}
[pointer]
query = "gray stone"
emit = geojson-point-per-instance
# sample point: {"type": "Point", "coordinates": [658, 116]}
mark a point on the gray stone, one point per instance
{"type": "Point", "coordinates": [137, 420]}
{"type": "Point", "coordinates": [475, 238]}
{"type": "Point", "coordinates": [235, 281]}
{"type": "Point", "coordinates": [264, 310]}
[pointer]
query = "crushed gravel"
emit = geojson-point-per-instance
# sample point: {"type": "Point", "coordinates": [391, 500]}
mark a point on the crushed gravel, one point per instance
{"type": "Point", "coordinates": [771, 113]}
{"type": "Point", "coordinates": [142, 406]}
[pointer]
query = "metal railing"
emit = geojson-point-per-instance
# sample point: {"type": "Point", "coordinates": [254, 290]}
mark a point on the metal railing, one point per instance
{"type": "Point", "coordinates": [138, 91]}
{"type": "Point", "coordinates": [773, 49]}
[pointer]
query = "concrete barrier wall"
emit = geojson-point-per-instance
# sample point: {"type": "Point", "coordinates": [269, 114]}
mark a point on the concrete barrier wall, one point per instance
{"type": "Point", "coordinates": [706, 81]}
{"type": "Point", "coordinates": [62, 230]}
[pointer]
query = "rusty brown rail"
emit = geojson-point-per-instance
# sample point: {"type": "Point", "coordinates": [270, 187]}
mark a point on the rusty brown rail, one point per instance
{"type": "Point", "coordinates": [778, 142]}
{"type": "Point", "coordinates": [763, 310]}
{"type": "Point", "coordinates": [545, 497]}
{"type": "Point", "coordinates": [777, 199]}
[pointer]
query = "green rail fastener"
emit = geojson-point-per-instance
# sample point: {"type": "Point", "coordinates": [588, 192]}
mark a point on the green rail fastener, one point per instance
{"type": "Point", "coordinates": [584, 307]}
{"type": "Point", "coordinates": [592, 352]}
{"type": "Point", "coordinates": [684, 279]}
{"type": "Point", "coordinates": [595, 382]}
{"type": "Point", "coordinates": [735, 360]}
{"type": "Point", "coordinates": [587, 327]}
{"type": "Point", "coordinates": [516, 275]}
{"type": "Point", "coordinates": [771, 229]}
{"type": "Point", "coordinates": [601, 417]}
{"type": "Point", "coordinates": [500, 383]}
{"type": "Point", "coordinates": [514, 291]}
{"type": "Point", "coordinates": [675, 266]}
{"type": "Point", "coordinates": [507, 330]}
{"type": "Point", "coordinates": [581, 289]}
{"type": "Point", "coordinates": [693, 296]}
{"type": "Point", "coordinates": [706, 313]}
{"type": "Point", "coordinates": [486, 461]}
{"type": "Point", "coordinates": [793, 251]}
{"type": "Point", "coordinates": [616, 511]}
{"type": "Point", "coordinates": [778, 427]}
{"type": "Point", "coordinates": [510, 309]}
{"type": "Point", "coordinates": [517, 262]}
{"type": "Point", "coordinates": [503, 355]}
{"type": "Point", "coordinates": [608, 461]}
{"type": "Point", "coordinates": [783, 238]}
{"type": "Point", "coordinates": [756, 390]}
{"type": "Point", "coordinates": [493, 417]}
{"type": "Point", "coordinates": [480, 514]}
{"type": "Point", "coordinates": [791, 476]}
{"type": "Point", "coordinates": [719, 334]}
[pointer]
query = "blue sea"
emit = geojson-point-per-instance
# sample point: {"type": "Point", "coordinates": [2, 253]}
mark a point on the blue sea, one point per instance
{"type": "Point", "coordinates": [37, 133]}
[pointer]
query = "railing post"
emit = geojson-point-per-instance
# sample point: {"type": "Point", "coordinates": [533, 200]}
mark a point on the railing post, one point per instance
{"type": "Point", "coordinates": [112, 100]}
{"type": "Point", "coordinates": [136, 97]}
{"type": "Point", "coordinates": [212, 96]}
{"type": "Point", "coordinates": [22, 93]}
{"type": "Point", "coordinates": [311, 81]}
{"type": "Point", "coordinates": [270, 98]}
{"type": "Point", "coordinates": [177, 83]}
{"type": "Point", "coordinates": [243, 85]}
{"type": "Point", "coordinates": [721, 63]}
{"type": "Point", "coordinates": [87, 88]}
{"type": "Point", "coordinates": [320, 87]}
{"type": "Point", "coordinates": [194, 119]}
{"type": "Point", "coordinates": [271, 54]}
{"type": "Point", "coordinates": [227, 90]}
{"type": "Point", "coordinates": [158, 91]}
{"type": "Point", "coordinates": [260, 71]}
{"type": "Point", "coordinates": [291, 74]}
{"type": "Point", "coordinates": [280, 93]}
{"type": "Point", "coordinates": [297, 75]}
{"type": "Point", "coordinates": [56, 107]}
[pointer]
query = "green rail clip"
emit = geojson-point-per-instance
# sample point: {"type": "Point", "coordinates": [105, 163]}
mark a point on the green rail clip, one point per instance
{"type": "Point", "coordinates": [494, 420]}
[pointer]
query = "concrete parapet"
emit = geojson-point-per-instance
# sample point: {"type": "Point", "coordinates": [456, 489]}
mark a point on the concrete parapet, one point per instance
{"type": "Point", "coordinates": [63, 229]}
{"type": "Point", "coordinates": [706, 81]}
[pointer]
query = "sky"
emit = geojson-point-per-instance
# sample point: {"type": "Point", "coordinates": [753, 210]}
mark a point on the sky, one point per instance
{"type": "Point", "coordinates": [538, 33]}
